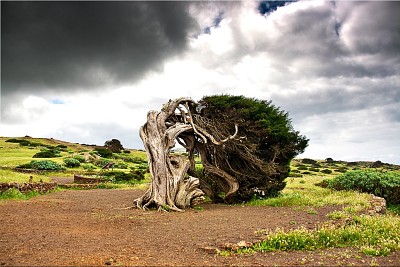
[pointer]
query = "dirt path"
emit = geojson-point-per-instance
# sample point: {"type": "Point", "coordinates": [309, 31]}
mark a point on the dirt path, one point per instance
{"type": "Point", "coordinates": [62, 180]}
{"type": "Point", "coordinates": [92, 228]}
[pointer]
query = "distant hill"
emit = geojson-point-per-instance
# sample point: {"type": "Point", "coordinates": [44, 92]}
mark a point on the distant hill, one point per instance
{"type": "Point", "coordinates": [15, 151]}
{"type": "Point", "coordinates": [32, 145]}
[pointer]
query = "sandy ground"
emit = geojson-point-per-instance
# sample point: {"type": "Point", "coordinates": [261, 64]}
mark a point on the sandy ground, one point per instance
{"type": "Point", "coordinates": [93, 228]}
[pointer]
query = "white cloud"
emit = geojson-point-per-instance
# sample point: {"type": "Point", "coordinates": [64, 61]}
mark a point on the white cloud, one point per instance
{"type": "Point", "coordinates": [219, 41]}
{"type": "Point", "coordinates": [353, 135]}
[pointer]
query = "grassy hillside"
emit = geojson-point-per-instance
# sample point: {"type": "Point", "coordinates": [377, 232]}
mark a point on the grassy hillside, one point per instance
{"type": "Point", "coordinates": [20, 152]}
{"type": "Point", "coordinates": [17, 152]}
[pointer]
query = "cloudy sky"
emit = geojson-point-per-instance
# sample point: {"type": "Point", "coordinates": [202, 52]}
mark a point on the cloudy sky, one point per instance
{"type": "Point", "coordinates": [88, 72]}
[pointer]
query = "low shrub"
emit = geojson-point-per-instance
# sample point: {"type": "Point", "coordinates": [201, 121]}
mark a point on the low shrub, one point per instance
{"type": "Point", "coordinates": [119, 176]}
{"type": "Point", "coordinates": [27, 143]}
{"type": "Point", "coordinates": [79, 158]}
{"type": "Point", "coordinates": [382, 184]}
{"type": "Point", "coordinates": [121, 165]}
{"type": "Point", "coordinates": [71, 162]}
{"type": "Point", "coordinates": [23, 142]}
{"type": "Point", "coordinates": [104, 152]}
{"type": "Point", "coordinates": [295, 175]}
{"type": "Point", "coordinates": [16, 141]}
{"type": "Point", "coordinates": [341, 169]}
{"type": "Point", "coordinates": [136, 160]}
{"type": "Point", "coordinates": [143, 167]}
{"type": "Point", "coordinates": [48, 165]}
{"type": "Point", "coordinates": [47, 153]}
{"type": "Point", "coordinates": [88, 167]}
{"type": "Point", "coordinates": [326, 171]}
{"type": "Point", "coordinates": [308, 161]}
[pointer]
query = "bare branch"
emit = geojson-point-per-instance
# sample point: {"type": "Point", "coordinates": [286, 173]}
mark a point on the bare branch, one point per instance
{"type": "Point", "coordinates": [193, 126]}
{"type": "Point", "coordinates": [232, 136]}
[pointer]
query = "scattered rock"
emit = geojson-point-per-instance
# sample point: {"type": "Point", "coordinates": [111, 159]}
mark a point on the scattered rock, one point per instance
{"type": "Point", "coordinates": [211, 250]}
{"type": "Point", "coordinates": [378, 205]}
{"type": "Point", "coordinates": [109, 262]}
{"type": "Point", "coordinates": [236, 246]}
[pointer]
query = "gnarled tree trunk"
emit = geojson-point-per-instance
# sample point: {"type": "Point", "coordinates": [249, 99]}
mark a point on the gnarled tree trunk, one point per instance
{"type": "Point", "coordinates": [171, 187]}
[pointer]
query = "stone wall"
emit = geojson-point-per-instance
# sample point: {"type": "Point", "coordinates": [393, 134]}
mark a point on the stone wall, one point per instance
{"type": "Point", "coordinates": [26, 187]}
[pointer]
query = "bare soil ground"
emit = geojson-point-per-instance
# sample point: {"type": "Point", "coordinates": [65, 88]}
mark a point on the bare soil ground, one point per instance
{"type": "Point", "coordinates": [92, 228]}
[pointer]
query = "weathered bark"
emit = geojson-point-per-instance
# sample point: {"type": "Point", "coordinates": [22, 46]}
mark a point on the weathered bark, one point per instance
{"type": "Point", "coordinates": [171, 187]}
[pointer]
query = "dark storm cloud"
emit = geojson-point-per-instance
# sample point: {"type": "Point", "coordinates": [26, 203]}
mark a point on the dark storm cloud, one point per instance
{"type": "Point", "coordinates": [346, 39]}
{"type": "Point", "coordinates": [337, 98]}
{"type": "Point", "coordinates": [67, 45]}
{"type": "Point", "coordinates": [265, 7]}
{"type": "Point", "coordinates": [377, 30]}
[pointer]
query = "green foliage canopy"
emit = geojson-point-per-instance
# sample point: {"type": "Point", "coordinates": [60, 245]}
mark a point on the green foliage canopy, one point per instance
{"type": "Point", "coordinates": [259, 157]}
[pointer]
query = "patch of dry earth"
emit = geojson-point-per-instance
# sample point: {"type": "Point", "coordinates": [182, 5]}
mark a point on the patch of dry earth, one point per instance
{"type": "Point", "coordinates": [92, 227]}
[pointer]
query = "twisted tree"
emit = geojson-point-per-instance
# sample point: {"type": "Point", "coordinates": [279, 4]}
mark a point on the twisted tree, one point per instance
{"type": "Point", "coordinates": [245, 146]}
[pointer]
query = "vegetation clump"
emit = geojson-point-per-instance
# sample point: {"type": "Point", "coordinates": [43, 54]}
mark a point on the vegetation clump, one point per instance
{"type": "Point", "coordinates": [48, 165]}
{"type": "Point", "coordinates": [72, 162]}
{"type": "Point", "coordinates": [79, 158]}
{"type": "Point", "coordinates": [308, 161]}
{"type": "Point", "coordinates": [120, 176]}
{"type": "Point", "coordinates": [375, 236]}
{"type": "Point", "coordinates": [379, 183]}
{"type": "Point", "coordinates": [104, 152]}
{"type": "Point", "coordinates": [48, 153]}
{"type": "Point", "coordinates": [23, 142]}
{"type": "Point", "coordinates": [327, 171]}
{"type": "Point", "coordinates": [14, 193]}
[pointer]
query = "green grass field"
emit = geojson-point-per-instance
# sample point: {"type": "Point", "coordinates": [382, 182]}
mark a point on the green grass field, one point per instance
{"type": "Point", "coordinates": [13, 155]}
{"type": "Point", "coordinates": [305, 192]}
{"type": "Point", "coordinates": [8, 176]}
